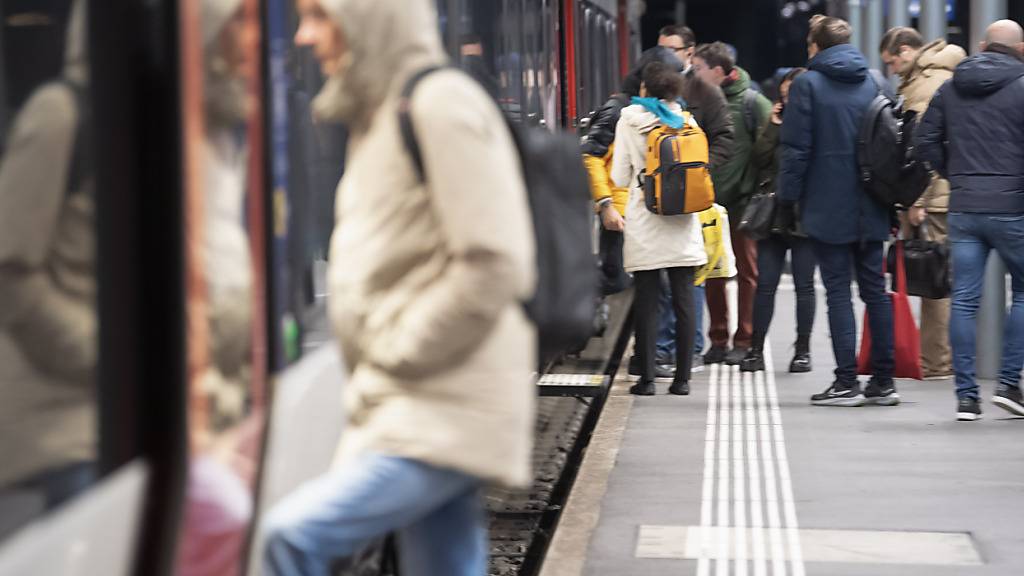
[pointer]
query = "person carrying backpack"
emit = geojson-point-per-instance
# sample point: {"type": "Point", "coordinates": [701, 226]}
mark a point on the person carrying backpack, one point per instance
{"type": "Point", "coordinates": [427, 276]}
{"type": "Point", "coordinates": [819, 169]}
{"type": "Point", "coordinates": [656, 242]}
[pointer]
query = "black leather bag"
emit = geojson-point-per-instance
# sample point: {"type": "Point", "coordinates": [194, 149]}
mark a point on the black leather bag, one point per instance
{"type": "Point", "coordinates": [927, 267]}
{"type": "Point", "coordinates": [758, 220]}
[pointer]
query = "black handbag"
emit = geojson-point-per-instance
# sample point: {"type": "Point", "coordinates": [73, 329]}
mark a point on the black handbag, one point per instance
{"type": "Point", "coordinates": [758, 220]}
{"type": "Point", "coordinates": [927, 266]}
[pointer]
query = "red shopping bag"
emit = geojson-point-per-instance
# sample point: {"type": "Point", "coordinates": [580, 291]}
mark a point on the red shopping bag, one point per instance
{"type": "Point", "coordinates": [906, 338]}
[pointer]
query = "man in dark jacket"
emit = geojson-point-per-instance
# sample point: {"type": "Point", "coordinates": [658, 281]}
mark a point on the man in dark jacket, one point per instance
{"type": "Point", "coordinates": [735, 183]}
{"type": "Point", "coordinates": [819, 169]}
{"type": "Point", "coordinates": [973, 135]}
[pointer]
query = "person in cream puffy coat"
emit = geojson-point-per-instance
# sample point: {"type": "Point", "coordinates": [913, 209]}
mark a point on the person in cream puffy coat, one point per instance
{"type": "Point", "coordinates": [426, 284]}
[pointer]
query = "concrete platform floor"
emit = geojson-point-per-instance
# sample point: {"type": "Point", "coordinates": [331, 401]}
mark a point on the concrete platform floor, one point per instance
{"type": "Point", "coordinates": [910, 490]}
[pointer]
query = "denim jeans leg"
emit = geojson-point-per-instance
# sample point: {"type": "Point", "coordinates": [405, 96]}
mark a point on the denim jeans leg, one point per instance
{"type": "Point", "coordinates": [1007, 234]}
{"type": "Point", "coordinates": [836, 264]}
{"type": "Point", "coordinates": [336, 515]}
{"type": "Point", "coordinates": [698, 319]}
{"type": "Point", "coordinates": [666, 353]}
{"type": "Point", "coordinates": [450, 541]}
{"type": "Point", "coordinates": [969, 252]}
{"type": "Point", "coordinates": [871, 285]}
{"type": "Point", "coordinates": [804, 263]}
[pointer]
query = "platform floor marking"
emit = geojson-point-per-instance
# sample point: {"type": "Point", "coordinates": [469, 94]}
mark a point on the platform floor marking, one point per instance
{"type": "Point", "coordinates": [846, 546]}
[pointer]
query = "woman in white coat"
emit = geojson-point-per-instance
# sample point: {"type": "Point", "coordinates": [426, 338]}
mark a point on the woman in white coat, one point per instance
{"type": "Point", "coordinates": [652, 242]}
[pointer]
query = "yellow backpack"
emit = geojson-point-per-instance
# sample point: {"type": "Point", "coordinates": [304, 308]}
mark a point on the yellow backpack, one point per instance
{"type": "Point", "coordinates": [676, 179]}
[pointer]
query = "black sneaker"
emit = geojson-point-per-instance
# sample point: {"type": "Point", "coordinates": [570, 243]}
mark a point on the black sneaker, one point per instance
{"type": "Point", "coordinates": [1009, 398]}
{"type": "Point", "coordinates": [839, 394]}
{"type": "Point", "coordinates": [697, 364]}
{"type": "Point", "coordinates": [661, 373]}
{"type": "Point", "coordinates": [735, 356]}
{"type": "Point", "coordinates": [881, 394]}
{"type": "Point", "coordinates": [968, 409]}
{"type": "Point", "coordinates": [801, 363]}
{"type": "Point", "coordinates": [753, 361]}
{"type": "Point", "coordinates": [679, 388]}
{"type": "Point", "coordinates": [643, 389]}
{"type": "Point", "coordinates": [716, 355]}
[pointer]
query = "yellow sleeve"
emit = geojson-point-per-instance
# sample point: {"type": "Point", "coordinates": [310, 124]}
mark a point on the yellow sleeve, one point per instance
{"type": "Point", "coordinates": [600, 183]}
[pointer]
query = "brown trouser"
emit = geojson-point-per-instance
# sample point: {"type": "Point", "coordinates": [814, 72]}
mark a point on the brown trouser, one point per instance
{"type": "Point", "coordinates": [936, 357]}
{"type": "Point", "coordinates": [746, 265]}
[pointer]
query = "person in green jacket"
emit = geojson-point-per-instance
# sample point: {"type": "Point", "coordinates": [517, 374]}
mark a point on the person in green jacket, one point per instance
{"type": "Point", "coordinates": [735, 183]}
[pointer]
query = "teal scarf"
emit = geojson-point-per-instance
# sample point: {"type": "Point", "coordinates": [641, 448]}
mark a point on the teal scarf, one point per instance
{"type": "Point", "coordinates": [661, 110]}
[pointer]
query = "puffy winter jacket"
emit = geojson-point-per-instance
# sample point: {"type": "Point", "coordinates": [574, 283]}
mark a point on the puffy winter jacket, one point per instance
{"type": "Point", "coordinates": [736, 179]}
{"type": "Point", "coordinates": [597, 153]}
{"type": "Point", "coordinates": [973, 133]}
{"type": "Point", "coordinates": [819, 149]}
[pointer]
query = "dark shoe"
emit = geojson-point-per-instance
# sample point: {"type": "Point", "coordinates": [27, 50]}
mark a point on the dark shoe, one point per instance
{"type": "Point", "coordinates": [968, 409]}
{"type": "Point", "coordinates": [661, 373]}
{"type": "Point", "coordinates": [643, 389]}
{"type": "Point", "coordinates": [839, 394]}
{"type": "Point", "coordinates": [716, 355]}
{"type": "Point", "coordinates": [801, 363]}
{"type": "Point", "coordinates": [1009, 398]}
{"type": "Point", "coordinates": [679, 388]}
{"type": "Point", "coordinates": [735, 356]}
{"type": "Point", "coordinates": [634, 368]}
{"type": "Point", "coordinates": [753, 361]}
{"type": "Point", "coordinates": [881, 394]}
{"type": "Point", "coordinates": [697, 364]}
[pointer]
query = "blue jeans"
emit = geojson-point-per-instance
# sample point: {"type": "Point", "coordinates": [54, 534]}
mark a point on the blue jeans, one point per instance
{"type": "Point", "coordinates": [666, 352]}
{"type": "Point", "coordinates": [837, 263]}
{"type": "Point", "coordinates": [972, 237]}
{"type": "Point", "coordinates": [437, 514]}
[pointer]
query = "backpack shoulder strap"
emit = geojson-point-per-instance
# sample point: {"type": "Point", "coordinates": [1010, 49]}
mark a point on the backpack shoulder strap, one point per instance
{"type": "Point", "coordinates": [866, 134]}
{"type": "Point", "coordinates": [750, 112]}
{"type": "Point", "coordinates": [405, 124]}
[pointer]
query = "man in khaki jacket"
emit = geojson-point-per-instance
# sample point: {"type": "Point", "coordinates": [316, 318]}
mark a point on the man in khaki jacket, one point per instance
{"type": "Point", "coordinates": [426, 283]}
{"type": "Point", "coordinates": [923, 69]}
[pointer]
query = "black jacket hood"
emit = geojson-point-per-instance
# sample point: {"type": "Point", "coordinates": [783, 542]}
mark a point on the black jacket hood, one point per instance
{"type": "Point", "coordinates": [843, 63]}
{"type": "Point", "coordinates": [988, 72]}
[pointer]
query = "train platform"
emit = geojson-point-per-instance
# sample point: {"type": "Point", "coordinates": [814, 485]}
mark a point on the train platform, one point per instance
{"type": "Point", "coordinates": [744, 476]}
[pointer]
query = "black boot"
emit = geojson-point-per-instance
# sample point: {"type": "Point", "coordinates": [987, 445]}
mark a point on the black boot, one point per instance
{"type": "Point", "coordinates": [801, 362]}
{"type": "Point", "coordinates": [680, 388]}
{"type": "Point", "coordinates": [753, 361]}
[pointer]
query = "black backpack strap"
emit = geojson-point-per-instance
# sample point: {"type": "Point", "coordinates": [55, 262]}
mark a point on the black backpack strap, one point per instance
{"type": "Point", "coordinates": [405, 119]}
{"type": "Point", "coordinates": [750, 112]}
{"type": "Point", "coordinates": [866, 135]}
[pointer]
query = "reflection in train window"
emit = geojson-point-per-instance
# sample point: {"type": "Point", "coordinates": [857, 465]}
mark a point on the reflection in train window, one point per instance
{"type": "Point", "coordinates": [224, 280]}
{"type": "Point", "coordinates": [48, 319]}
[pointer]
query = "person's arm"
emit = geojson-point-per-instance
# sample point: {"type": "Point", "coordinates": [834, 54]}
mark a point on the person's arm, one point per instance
{"type": "Point", "coordinates": [797, 141]}
{"type": "Point", "coordinates": [930, 135]}
{"type": "Point", "coordinates": [622, 164]}
{"type": "Point", "coordinates": [480, 203]}
{"type": "Point", "coordinates": [596, 146]}
{"type": "Point", "coordinates": [56, 333]}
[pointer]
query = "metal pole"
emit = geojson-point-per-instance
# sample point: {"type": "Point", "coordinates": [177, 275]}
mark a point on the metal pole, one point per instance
{"type": "Point", "coordinates": [856, 20]}
{"type": "Point", "coordinates": [932, 22]}
{"type": "Point", "coordinates": [837, 9]}
{"type": "Point", "coordinates": [991, 319]}
{"type": "Point", "coordinates": [873, 21]}
{"type": "Point", "coordinates": [899, 13]}
{"type": "Point", "coordinates": [983, 13]}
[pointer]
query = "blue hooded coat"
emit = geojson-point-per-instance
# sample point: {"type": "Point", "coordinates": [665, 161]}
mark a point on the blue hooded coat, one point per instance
{"type": "Point", "coordinates": [819, 149]}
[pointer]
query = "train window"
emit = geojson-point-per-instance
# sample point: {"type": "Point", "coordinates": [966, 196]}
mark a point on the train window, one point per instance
{"type": "Point", "coordinates": [224, 278]}
{"type": "Point", "coordinates": [551, 81]}
{"type": "Point", "coordinates": [48, 275]}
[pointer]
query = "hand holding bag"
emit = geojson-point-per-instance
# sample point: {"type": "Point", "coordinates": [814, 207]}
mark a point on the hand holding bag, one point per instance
{"type": "Point", "coordinates": [758, 220]}
{"type": "Point", "coordinates": [927, 266]}
{"type": "Point", "coordinates": [906, 338]}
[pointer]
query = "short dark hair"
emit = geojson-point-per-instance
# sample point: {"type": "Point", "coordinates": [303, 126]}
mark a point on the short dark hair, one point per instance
{"type": "Point", "coordinates": [898, 37]}
{"type": "Point", "coordinates": [662, 81]}
{"type": "Point", "coordinates": [828, 31]}
{"type": "Point", "coordinates": [716, 55]}
{"type": "Point", "coordinates": [631, 83]}
{"type": "Point", "coordinates": [684, 32]}
{"type": "Point", "coordinates": [791, 75]}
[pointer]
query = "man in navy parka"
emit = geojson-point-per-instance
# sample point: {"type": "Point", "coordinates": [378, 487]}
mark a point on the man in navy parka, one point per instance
{"type": "Point", "coordinates": [819, 171]}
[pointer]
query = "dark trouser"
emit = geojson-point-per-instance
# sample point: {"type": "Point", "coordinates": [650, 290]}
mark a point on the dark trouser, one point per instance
{"type": "Point", "coordinates": [645, 310]}
{"type": "Point", "coordinates": [746, 264]}
{"type": "Point", "coordinates": [837, 263]}
{"type": "Point", "coordinates": [613, 276]}
{"type": "Point", "coordinates": [771, 257]}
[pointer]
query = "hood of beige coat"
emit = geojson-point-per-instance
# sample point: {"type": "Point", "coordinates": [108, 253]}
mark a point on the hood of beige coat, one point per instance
{"type": "Point", "coordinates": [387, 40]}
{"type": "Point", "coordinates": [643, 121]}
{"type": "Point", "coordinates": [76, 51]}
{"type": "Point", "coordinates": [939, 55]}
